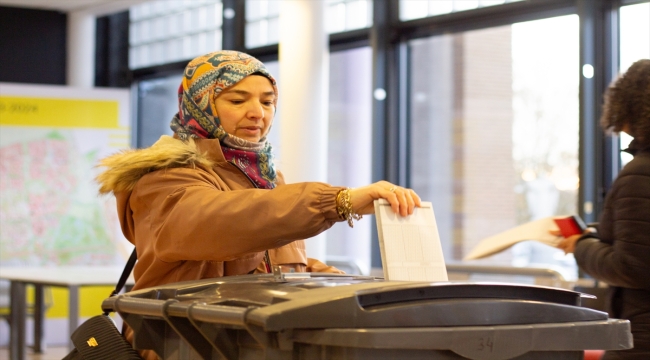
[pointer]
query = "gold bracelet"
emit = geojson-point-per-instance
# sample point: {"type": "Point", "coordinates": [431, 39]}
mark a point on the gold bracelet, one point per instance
{"type": "Point", "coordinates": [344, 207]}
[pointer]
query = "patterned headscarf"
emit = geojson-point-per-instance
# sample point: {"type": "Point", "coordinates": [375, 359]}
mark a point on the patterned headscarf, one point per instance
{"type": "Point", "coordinates": [204, 79]}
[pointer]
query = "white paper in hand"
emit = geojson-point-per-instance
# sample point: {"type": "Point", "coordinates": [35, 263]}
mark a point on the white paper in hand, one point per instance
{"type": "Point", "coordinates": [534, 230]}
{"type": "Point", "coordinates": [410, 246]}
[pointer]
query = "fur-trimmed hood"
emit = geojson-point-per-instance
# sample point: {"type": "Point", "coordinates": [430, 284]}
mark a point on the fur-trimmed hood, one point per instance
{"type": "Point", "coordinates": [124, 169]}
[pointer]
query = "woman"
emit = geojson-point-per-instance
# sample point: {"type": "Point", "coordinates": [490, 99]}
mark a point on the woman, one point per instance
{"type": "Point", "coordinates": [619, 252]}
{"type": "Point", "coordinates": [208, 202]}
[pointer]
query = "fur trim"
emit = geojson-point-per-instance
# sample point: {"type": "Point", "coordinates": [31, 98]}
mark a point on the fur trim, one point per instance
{"type": "Point", "coordinates": [125, 168]}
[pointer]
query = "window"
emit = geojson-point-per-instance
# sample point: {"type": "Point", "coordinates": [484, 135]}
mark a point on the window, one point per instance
{"type": "Point", "coordinates": [494, 133]}
{"type": "Point", "coordinates": [262, 18]}
{"type": "Point", "coordinates": [165, 31]}
{"type": "Point", "coordinates": [274, 135]}
{"type": "Point", "coordinates": [344, 15]}
{"type": "Point", "coordinates": [349, 147]}
{"type": "Point", "coordinates": [415, 9]}
{"type": "Point", "coordinates": [634, 45]}
{"type": "Point", "coordinates": [157, 104]}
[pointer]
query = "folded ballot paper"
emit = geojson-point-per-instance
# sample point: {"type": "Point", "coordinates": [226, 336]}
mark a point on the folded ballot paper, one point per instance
{"type": "Point", "coordinates": [537, 230]}
{"type": "Point", "coordinates": [410, 246]}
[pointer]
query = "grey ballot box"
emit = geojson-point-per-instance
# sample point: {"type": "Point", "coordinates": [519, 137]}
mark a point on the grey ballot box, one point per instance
{"type": "Point", "coordinates": [324, 316]}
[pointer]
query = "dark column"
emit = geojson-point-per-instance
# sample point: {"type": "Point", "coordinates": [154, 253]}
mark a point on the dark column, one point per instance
{"type": "Point", "coordinates": [234, 25]}
{"type": "Point", "coordinates": [596, 151]}
{"type": "Point", "coordinates": [112, 51]}
{"type": "Point", "coordinates": [388, 133]}
{"type": "Point", "coordinates": [611, 144]}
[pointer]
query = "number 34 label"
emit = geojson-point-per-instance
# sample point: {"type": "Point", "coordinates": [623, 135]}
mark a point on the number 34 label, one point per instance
{"type": "Point", "coordinates": [485, 344]}
{"type": "Point", "coordinates": [491, 344]}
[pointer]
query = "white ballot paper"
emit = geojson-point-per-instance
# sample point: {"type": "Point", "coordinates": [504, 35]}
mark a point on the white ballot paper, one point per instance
{"type": "Point", "coordinates": [410, 246]}
{"type": "Point", "coordinates": [535, 230]}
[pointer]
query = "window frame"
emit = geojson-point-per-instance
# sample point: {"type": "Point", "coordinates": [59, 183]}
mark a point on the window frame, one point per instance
{"type": "Point", "coordinates": [388, 36]}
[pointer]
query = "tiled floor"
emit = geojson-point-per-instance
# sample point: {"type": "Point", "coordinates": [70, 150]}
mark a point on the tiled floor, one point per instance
{"type": "Point", "coordinates": [51, 353]}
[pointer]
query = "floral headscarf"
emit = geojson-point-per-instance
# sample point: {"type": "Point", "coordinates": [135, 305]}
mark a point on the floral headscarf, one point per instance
{"type": "Point", "coordinates": [204, 79]}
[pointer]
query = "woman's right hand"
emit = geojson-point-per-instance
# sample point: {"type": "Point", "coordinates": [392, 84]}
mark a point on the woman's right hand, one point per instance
{"type": "Point", "coordinates": [402, 200]}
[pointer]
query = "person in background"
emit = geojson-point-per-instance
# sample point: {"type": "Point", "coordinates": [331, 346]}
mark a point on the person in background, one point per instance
{"type": "Point", "coordinates": [208, 202]}
{"type": "Point", "coordinates": [618, 253]}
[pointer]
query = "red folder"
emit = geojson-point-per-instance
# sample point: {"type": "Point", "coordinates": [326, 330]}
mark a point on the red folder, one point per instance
{"type": "Point", "coordinates": [571, 225]}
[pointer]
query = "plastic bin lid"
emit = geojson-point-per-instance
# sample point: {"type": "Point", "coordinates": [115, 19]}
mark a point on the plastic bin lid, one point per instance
{"type": "Point", "coordinates": [329, 301]}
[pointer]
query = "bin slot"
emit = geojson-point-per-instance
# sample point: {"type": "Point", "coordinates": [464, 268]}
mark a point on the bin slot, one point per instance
{"type": "Point", "coordinates": [165, 294]}
{"type": "Point", "coordinates": [237, 303]}
{"type": "Point", "coordinates": [368, 299]}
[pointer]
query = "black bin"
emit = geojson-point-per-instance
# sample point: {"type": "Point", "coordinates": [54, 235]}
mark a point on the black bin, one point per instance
{"type": "Point", "coordinates": [325, 316]}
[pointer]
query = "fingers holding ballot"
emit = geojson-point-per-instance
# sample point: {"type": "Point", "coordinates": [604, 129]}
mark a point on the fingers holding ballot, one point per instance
{"type": "Point", "coordinates": [402, 200]}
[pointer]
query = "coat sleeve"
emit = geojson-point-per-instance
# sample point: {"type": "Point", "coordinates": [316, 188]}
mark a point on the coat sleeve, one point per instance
{"type": "Point", "coordinates": [315, 265]}
{"type": "Point", "coordinates": [191, 218]}
{"type": "Point", "coordinates": [622, 256]}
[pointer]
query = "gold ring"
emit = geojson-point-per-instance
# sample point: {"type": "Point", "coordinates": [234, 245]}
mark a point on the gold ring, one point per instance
{"type": "Point", "coordinates": [393, 189]}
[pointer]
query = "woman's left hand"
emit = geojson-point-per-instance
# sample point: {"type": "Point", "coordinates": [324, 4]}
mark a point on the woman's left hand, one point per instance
{"type": "Point", "coordinates": [566, 244]}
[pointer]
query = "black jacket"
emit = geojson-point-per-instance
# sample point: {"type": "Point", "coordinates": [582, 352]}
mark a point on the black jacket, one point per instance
{"type": "Point", "coordinates": [619, 254]}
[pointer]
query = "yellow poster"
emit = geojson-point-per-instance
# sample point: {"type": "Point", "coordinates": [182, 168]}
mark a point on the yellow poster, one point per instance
{"type": "Point", "coordinates": [69, 113]}
{"type": "Point", "coordinates": [51, 139]}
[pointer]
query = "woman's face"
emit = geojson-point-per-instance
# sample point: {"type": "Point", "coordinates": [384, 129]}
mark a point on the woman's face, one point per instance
{"type": "Point", "coordinates": [246, 109]}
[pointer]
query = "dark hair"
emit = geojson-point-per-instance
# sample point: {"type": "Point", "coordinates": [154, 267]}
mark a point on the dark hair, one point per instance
{"type": "Point", "coordinates": [627, 102]}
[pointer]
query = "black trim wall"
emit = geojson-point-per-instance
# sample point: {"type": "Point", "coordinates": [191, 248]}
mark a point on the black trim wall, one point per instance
{"type": "Point", "coordinates": [32, 46]}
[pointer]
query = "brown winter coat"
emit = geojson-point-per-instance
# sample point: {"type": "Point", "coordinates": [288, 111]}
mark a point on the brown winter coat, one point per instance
{"type": "Point", "coordinates": [192, 215]}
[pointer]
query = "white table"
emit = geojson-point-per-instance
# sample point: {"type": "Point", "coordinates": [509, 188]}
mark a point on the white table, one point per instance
{"type": "Point", "coordinates": [70, 277]}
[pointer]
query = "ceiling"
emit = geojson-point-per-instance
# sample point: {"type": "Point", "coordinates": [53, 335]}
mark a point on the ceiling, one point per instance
{"type": "Point", "coordinates": [97, 7]}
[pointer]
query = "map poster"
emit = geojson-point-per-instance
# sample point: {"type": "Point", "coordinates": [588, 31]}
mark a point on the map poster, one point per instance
{"type": "Point", "coordinates": [51, 139]}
